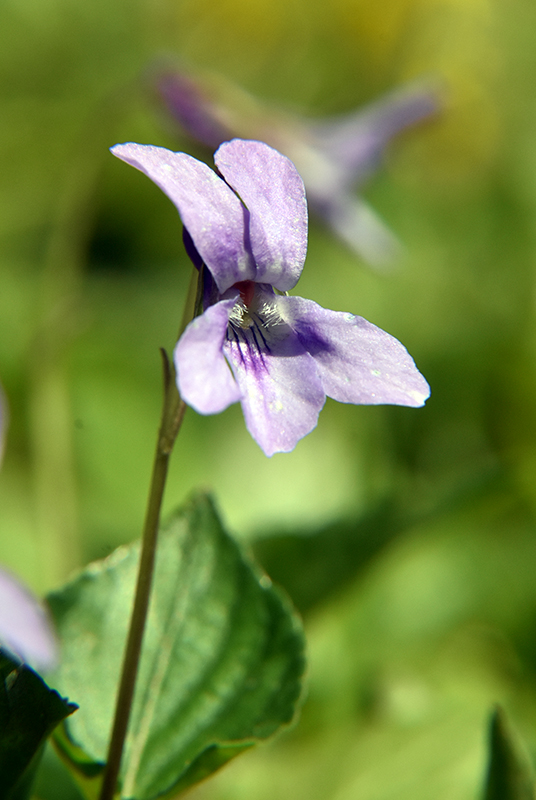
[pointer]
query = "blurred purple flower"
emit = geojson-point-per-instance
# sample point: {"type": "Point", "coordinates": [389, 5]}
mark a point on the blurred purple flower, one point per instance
{"type": "Point", "coordinates": [286, 354]}
{"type": "Point", "coordinates": [25, 629]}
{"type": "Point", "coordinates": [334, 157]}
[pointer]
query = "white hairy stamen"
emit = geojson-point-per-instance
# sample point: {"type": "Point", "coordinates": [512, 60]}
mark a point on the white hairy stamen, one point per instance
{"type": "Point", "coordinates": [260, 312]}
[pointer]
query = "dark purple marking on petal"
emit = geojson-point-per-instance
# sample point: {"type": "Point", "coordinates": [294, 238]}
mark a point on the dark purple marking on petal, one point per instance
{"type": "Point", "coordinates": [211, 295]}
{"type": "Point", "coordinates": [282, 395]}
{"type": "Point", "coordinates": [191, 249]}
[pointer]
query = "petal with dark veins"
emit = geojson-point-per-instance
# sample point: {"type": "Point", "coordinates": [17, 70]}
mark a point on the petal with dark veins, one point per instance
{"type": "Point", "coordinates": [282, 395]}
{"type": "Point", "coordinates": [204, 379]}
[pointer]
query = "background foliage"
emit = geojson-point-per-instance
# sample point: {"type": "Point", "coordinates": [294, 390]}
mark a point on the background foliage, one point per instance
{"type": "Point", "coordinates": [407, 538]}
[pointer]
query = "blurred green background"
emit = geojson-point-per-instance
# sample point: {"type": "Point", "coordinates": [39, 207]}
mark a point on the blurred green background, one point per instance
{"type": "Point", "coordinates": [407, 538]}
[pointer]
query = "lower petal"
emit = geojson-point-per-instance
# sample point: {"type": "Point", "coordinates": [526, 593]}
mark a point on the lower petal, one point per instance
{"type": "Point", "coordinates": [282, 395]}
{"type": "Point", "coordinates": [356, 361]}
{"type": "Point", "coordinates": [204, 379]}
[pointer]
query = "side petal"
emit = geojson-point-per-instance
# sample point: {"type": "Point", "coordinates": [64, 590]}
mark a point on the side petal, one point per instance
{"type": "Point", "coordinates": [273, 192]}
{"type": "Point", "coordinates": [204, 379]}
{"type": "Point", "coordinates": [25, 629]}
{"type": "Point", "coordinates": [210, 210]}
{"type": "Point", "coordinates": [356, 361]}
{"type": "Point", "coordinates": [281, 393]}
{"type": "Point", "coordinates": [355, 141]}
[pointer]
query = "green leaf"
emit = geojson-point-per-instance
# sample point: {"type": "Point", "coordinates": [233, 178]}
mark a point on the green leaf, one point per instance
{"type": "Point", "coordinates": [221, 667]}
{"type": "Point", "coordinates": [509, 774]}
{"type": "Point", "coordinates": [29, 711]}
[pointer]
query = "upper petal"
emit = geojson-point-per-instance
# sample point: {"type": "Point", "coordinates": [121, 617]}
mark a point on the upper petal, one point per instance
{"type": "Point", "coordinates": [356, 361]}
{"type": "Point", "coordinates": [281, 393]}
{"type": "Point", "coordinates": [204, 379]}
{"type": "Point", "coordinates": [210, 210]}
{"type": "Point", "coordinates": [273, 192]}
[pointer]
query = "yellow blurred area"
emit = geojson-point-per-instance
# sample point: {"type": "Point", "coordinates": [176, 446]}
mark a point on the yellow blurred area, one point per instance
{"type": "Point", "coordinates": [379, 45]}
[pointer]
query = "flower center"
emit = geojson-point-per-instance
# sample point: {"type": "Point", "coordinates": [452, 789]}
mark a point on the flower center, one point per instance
{"type": "Point", "coordinates": [247, 290]}
{"type": "Point", "coordinates": [254, 308]}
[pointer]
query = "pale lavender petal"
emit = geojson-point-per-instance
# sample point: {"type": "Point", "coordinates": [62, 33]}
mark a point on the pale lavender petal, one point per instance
{"type": "Point", "coordinates": [210, 210]}
{"type": "Point", "coordinates": [357, 362]}
{"type": "Point", "coordinates": [281, 393]}
{"type": "Point", "coordinates": [204, 379]}
{"type": "Point", "coordinates": [273, 192]}
{"type": "Point", "coordinates": [355, 141]}
{"type": "Point", "coordinates": [25, 629]}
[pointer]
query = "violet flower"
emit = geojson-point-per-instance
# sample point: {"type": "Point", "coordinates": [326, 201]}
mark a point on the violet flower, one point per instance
{"type": "Point", "coordinates": [247, 231]}
{"type": "Point", "coordinates": [25, 629]}
{"type": "Point", "coordinates": [333, 156]}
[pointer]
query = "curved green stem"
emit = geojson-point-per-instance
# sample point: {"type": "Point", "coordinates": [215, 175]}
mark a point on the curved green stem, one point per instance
{"type": "Point", "coordinates": [172, 416]}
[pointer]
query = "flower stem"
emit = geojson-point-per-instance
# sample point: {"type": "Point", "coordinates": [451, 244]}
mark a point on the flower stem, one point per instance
{"type": "Point", "coordinates": [172, 416]}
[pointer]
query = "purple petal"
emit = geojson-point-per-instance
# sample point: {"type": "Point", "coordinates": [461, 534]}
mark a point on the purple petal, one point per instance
{"type": "Point", "coordinates": [204, 379]}
{"type": "Point", "coordinates": [356, 361]}
{"type": "Point", "coordinates": [273, 192]}
{"type": "Point", "coordinates": [210, 210]}
{"type": "Point", "coordinates": [281, 393]}
{"type": "Point", "coordinates": [25, 629]}
{"type": "Point", "coordinates": [356, 141]}
{"type": "Point", "coordinates": [192, 109]}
